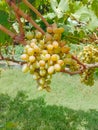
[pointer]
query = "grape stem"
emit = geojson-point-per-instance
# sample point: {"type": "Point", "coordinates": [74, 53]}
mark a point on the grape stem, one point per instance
{"type": "Point", "coordinates": [83, 67]}
{"type": "Point", "coordinates": [81, 70]}
{"type": "Point", "coordinates": [5, 30]}
{"type": "Point", "coordinates": [20, 25]}
{"type": "Point", "coordinates": [73, 73]}
{"type": "Point", "coordinates": [18, 38]}
{"type": "Point", "coordinates": [11, 59]}
{"type": "Point", "coordinates": [36, 11]}
{"type": "Point", "coordinates": [78, 61]}
{"type": "Point", "coordinates": [26, 16]}
{"type": "Point", "coordinates": [95, 65]}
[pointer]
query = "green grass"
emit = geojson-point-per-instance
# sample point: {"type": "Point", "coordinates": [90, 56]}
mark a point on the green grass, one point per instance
{"type": "Point", "coordinates": [66, 90]}
{"type": "Point", "coordinates": [69, 106]}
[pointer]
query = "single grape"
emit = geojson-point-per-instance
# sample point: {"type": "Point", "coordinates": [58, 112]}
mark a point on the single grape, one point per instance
{"type": "Point", "coordinates": [50, 47]}
{"type": "Point", "coordinates": [49, 29]}
{"type": "Point", "coordinates": [30, 51]}
{"type": "Point", "coordinates": [42, 63]}
{"type": "Point", "coordinates": [24, 57]}
{"type": "Point", "coordinates": [42, 72]}
{"type": "Point", "coordinates": [51, 70]}
{"type": "Point", "coordinates": [55, 44]}
{"type": "Point", "coordinates": [32, 58]}
{"type": "Point", "coordinates": [25, 68]}
{"type": "Point", "coordinates": [29, 35]}
{"type": "Point", "coordinates": [57, 67]}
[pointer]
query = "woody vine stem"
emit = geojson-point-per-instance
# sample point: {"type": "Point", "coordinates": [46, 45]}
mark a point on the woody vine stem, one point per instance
{"type": "Point", "coordinates": [19, 38]}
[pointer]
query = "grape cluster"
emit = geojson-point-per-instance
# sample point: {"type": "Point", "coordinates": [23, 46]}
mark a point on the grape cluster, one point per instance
{"type": "Point", "coordinates": [88, 77]}
{"type": "Point", "coordinates": [70, 63]}
{"type": "Point", "coordinates": [45, 55]}
{"type": "Point", "coordinates": [89, 55]}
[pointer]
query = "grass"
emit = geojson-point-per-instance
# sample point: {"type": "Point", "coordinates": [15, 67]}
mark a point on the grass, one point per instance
{"type": "Point", "coordinates": [69, 106]}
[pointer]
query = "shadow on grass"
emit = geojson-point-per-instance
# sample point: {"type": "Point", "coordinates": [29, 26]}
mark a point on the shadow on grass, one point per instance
{"type": "Point", "coordinates": [21, 113]}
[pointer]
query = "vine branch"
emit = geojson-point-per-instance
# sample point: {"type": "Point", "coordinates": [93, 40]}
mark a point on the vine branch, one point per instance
{"type": "Point", "coordinates": [26, 16]}
{"type": "Point", "coordinates": [81, 70]}
{"type": "Point", "coordinates": [5, 30]}
{"type": "Point", "coordinates": [36, 11]}
{"type": "Point", "coordinates": [17, 38]}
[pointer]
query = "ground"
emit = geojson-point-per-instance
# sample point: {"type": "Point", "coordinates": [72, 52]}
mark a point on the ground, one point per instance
{"type": "Point", "coordinates": [69, 106]}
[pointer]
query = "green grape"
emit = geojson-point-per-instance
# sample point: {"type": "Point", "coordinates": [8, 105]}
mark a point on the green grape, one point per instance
{"type": "Point", "coordinates": [29, 35]}
{"type": "Point", "coordinates": [44, 55]}
{"type": "Point", "coordinates": [88, 77]}
{"type": "Point", "coordinates": [25, 68]}
{"type": "Point", "coordinates": [49, 29]}
{"type": "Point", "coordinates": [88, 55]}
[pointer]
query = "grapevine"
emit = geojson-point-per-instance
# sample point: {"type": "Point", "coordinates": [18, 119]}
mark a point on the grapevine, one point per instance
{"type": "Point", "coordinates": [46, 51]}
{"type": "Point", "coordinates": [89, 55]}
{"type": "Point", "coordinates": [45, 55]}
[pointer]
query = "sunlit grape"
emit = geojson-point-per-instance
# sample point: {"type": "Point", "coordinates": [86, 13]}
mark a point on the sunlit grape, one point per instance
{"type": "Point", "coordinates": [55, 57]}
{"type": "Point", "coordinates": [50, 47]}
{"type": "Point", "coordinates": [49, 29]}
{"type": "Point", "coordinates": [25, 68]}
{"type": "Point", "coordinates": [45, 56]}
{"type": "Point", "coordinates": [29, 35]}
{"type": "Point", "coordinates": [32, 58]}
{"type": "Point", "coordinates": [42, 72]}
{"type": "Point", "coordinates": [24, 57]}
{"type": "Point", "coordinates": [51, 70]}
{"type": "Point", "coordinates": [55, 44]}
{"type": "Point", "coordinates": [35, 75]}
{"type": "Point", "coordinates": [30, 51]}
{"type": "Point", "coordinates": [38, 34]}
{"type": "Point", "coordinates": [57, 67]}
{"type": "Point", "coordinates": [42, 63]}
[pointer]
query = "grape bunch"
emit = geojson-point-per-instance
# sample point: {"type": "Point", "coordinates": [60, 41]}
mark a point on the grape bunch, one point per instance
{"type": "Point", "coordinates": [89, 55]}
{"type": "Point", "coordinates": [88, 77]}
{"type": "Point", "coordinates": [44, 55]}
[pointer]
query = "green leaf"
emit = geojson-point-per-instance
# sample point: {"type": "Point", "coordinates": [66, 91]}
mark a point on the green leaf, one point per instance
{"type": "Point", "coordinates": [87, 16]}
{"type": "Point", "coordinates": [4, 21]}
{"type": "Point", "coordinates": [85, 1]}
{"type": "Point", "coordinates": [59, 8]}
{"type": "Point", "coordinates": [23, 7]}
{"type": "Point", "coordinates": [3, 5]}
{"type": "Point", "coordinates": [74, 6]}
{"type": "Point", "coordinates": [95, 7]}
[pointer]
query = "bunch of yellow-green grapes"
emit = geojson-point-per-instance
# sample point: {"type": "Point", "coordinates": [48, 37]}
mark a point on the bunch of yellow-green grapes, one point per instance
{"type": "Point", "coordinates": [89, 55]}
{"type": "Point", "coordinates": [44, 55]}
{"type": "Point", "coordinates": [70, 63]}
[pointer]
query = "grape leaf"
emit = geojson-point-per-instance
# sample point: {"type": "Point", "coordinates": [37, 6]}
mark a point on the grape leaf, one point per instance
{"type": "Point", "coordinates": [4, 21]}
{"type": "Point", "coordinates": [60, 8]}
{"type": "Point", "coordinates": [95, 7]}
{"type": "Point", "coordinates": [88, 17]}
{"type": "Point", "coordinates": [85, 1]}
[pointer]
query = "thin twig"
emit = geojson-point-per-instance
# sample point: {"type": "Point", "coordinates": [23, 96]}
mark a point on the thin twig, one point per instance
{"type": "Point", "coordinates": [81, 70]}
{"type": "Point", "coordinates": [95, 65]}
{"type": "Point", "coordinates": [17, 38]}
{"type": "Point", "coordinates": [27, 17]}
{"type": "Point", "coordinates": [5, 30]}
{"type": "Point", "coordinates": [13, 60]}
{"type": "Point", "coordinates": [78, 61]}
{"type": "Point", "coordinates": [20, 24]}
{"type": "Point", "coordinates": [73, 73]}
{"type": "Point", "coordinates": [36, 11]}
